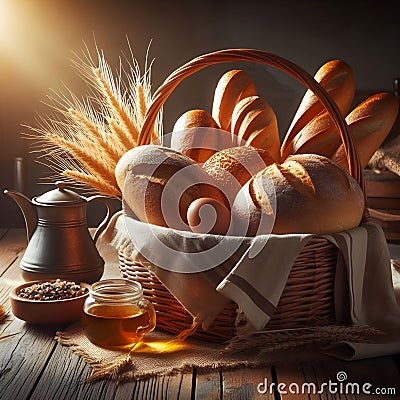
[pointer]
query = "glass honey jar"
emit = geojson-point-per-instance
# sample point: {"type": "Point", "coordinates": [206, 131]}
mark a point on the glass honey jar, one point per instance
{"type": "Point", "coordinates": [116, 315]}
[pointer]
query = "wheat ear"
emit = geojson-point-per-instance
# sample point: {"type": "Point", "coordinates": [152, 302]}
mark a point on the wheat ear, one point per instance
{"type": "Point", "coordinates": [93, 166]}
{"type": "Point", "coordinates": [3, 313]}
{"type": "Point", "coordinates": [119, 134]}
{"type": "Point", "coordinates": [113, 367]}
{"type": "Point", "coordinates": [96, 135]}
{"type": "Point", "coordinates": [142, 102]}
{"type": "Point", "coordinates": [93, 182]}
{"type": "Point", "coordinates": [118, 109]}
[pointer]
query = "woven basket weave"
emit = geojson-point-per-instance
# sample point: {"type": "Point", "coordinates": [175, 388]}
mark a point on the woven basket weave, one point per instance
{"type": "Point", "coordinates": [307, 299]}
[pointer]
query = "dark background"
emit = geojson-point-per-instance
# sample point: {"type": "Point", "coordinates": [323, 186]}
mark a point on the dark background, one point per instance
{"type": "Point", "coordinates": [38, 38]}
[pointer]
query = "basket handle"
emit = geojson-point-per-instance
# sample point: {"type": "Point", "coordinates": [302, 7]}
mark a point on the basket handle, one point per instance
{"type": "Point", "coordinates": [263, 57]}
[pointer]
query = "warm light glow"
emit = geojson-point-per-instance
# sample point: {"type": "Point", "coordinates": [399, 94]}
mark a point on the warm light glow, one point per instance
{"type": "Point", "coordinates": [156, 346]}
{"type": "Point", "coordinates": [5, 18]}
{"type": "Point", "coordinates": [25, 40]}
{"type": "Point", "coordinates": [167, 347]}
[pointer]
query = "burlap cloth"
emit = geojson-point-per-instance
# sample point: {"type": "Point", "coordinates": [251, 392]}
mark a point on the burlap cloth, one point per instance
{"type": "Point", "coordinates": [161, 353]}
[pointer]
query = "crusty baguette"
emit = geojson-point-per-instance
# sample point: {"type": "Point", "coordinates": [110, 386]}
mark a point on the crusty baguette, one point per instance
{"type": "Point", "coordinates": [369, 124]}
{"type": "Point", "coordinates": [319, 136]}
{"type": "Point", "coordinates": [337, 78]}
{"type": "Point", "coordinates": [232, 87]}
{"type": "Point", "coordinates": [254, 123]}
{"type": "Point", "coordinates": [197, 135]}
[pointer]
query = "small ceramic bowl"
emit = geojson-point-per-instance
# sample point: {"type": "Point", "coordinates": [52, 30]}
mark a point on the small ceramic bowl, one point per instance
{"type": "Point", "coordinates": [47, 312]}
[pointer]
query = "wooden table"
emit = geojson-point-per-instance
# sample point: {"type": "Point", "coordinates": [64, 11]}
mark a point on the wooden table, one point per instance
{"type": "Point", "coordinates": [34, 366]}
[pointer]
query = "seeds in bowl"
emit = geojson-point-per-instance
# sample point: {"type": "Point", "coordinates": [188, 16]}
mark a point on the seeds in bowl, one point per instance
{"type": "Point", "coordinates": [55, 290]}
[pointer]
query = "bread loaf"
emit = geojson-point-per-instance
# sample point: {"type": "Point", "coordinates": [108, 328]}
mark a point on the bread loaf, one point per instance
{"type": "Point", "coordinates": [369, 124]}
{"type": "Point", "coordinates": [307, 193]}
{"type": "Point", "coordinates": [197, 135]}
{"type": "Point", "coordinates": [337, 78]}
{"type": "Point", "coordinates": [194, 119]}
{"type": "Point", "coordinates": [158, 184]}
{"type": "Point", "coordinates": [232, 87]}
{"type": "Point", "coordinates": [319, 136]}
{"type": "Point", "coordinates": [232, 168]}
{"type": "Point", "coordinates": [255, 124]}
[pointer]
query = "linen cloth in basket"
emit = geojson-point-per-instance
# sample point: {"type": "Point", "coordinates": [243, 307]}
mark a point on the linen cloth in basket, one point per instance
{"type": "Point", "coordinates": [364, 293]}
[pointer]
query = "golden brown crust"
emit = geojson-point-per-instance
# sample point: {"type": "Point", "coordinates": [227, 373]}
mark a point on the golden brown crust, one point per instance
{"type": "Point", "coordinates": [232, 87]}
{"type": "Point", "coordinates": [191, 142]}
{"type": "Point", "coordinates": [232, 168]}
{"type": "Point", "coordinates": [194, 119]}
{"type": "Point", "coordinates": [338, 79]}
{"type": "Point", "coordinates": [255, 124]}
{"type": "Point", "coordinates": [143, 174]}
{"type": "Point", "coordinates": [313, 195]}
{"type": "Point", "coordinates": [369, 124]}
{"type": "Point", "coordinates": [319, 136]}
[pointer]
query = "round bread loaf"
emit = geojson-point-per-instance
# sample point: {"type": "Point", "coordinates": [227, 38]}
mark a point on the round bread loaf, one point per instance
{"type": "Point", "coordinates": [197, 135]}
{"type": "Point", "coordinates": [307, 193]}
{"type": "Point", "coordinates": [231, 168]}
{"type": "Point", "coordinates": [158, 184]}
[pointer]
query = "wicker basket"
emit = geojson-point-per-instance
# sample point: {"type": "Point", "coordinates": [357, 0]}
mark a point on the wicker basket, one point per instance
{"type": "Point", "coordinates": [307, 299]}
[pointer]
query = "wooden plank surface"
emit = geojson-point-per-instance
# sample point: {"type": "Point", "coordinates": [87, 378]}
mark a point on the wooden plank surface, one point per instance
{"type": "Point", "coordinates": [34, 366]}
{"type": "Point", "coordinates": [13, 244]}
{"type": "Point", "coordinates": [23, 357]}
{"type": "Point", "coordinates": [247, 384]}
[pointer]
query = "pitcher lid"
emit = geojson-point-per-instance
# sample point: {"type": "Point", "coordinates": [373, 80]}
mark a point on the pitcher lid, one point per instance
{"type": "Point", "coordinates": [59, 196]}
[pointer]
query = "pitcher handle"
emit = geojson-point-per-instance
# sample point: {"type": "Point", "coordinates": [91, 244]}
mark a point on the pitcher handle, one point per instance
{"type": "Point", "coordinates": [107, 218]}
{"type": "Point", "coordinates": [149, 307]}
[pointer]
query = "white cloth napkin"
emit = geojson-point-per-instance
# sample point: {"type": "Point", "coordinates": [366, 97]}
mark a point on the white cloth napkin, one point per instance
{"type": "Point", "coordinates": [257, 281]}
{"type": "Point", "coordinates": [256, 273]}
{"type": "Point", "coordinates": [373, 292]}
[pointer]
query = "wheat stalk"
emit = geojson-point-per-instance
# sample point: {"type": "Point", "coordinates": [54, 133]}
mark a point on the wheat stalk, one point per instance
{"type": "Point", "coordinates": [111, 369]}
{"type": "Point", "coordinates": [142, 102]}
{"type": "Point", "coordinates": [81, 153]}
{"type": "Point", "coordinates": [285, 339]}
{"type": "Point", "coordinates": [117, 108]}
{"type": "Point", "coordinates": [114, 367]}
{"type": "Point", "coordinates": [95, 135]}
{"type": "Point", "coordinates": [92, 181]}
{"type": "Point", "coordinates": [119, 134]}
{"type": "Point", "coordinates": [3, 313]}
{"type": "Point", "coordinates": [84, 138]}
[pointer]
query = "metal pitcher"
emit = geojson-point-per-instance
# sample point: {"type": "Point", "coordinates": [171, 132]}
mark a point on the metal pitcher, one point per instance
{"type": "Point", "coordinates": [59, 241]}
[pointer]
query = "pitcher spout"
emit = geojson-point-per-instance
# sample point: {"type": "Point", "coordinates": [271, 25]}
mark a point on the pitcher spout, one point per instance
{"type": "Point", "coordinates": [28, 210]}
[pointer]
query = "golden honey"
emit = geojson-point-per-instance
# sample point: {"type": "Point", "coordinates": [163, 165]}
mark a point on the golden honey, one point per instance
{"type": "Point", "coordinates": [116, 316]}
